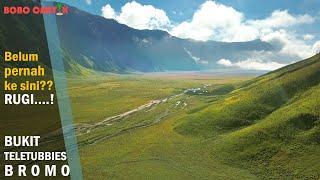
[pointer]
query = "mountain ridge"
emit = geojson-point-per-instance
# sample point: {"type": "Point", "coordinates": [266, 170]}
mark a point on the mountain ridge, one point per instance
{"type": "Point", "coordinates": [114, 47]}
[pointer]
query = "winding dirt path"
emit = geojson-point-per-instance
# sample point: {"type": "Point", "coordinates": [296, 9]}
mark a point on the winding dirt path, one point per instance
{"type": "Point", "coordinates": [84, 128]}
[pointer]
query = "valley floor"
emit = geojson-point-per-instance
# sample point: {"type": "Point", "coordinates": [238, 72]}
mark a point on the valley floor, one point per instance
{"type": "Point", "coordinates": [138, 140]}
{"type": "Point", "coordinates": [150, 127]}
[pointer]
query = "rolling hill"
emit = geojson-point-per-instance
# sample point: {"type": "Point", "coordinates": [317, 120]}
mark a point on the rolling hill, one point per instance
{"type": "Point", "coordinates": [270, 125]}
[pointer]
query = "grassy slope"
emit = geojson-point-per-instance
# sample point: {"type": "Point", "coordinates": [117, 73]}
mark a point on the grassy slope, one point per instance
{"type": "Point", "coordinates": [255, 100]}
{"type": "Point", "coordinates": [270, 125]}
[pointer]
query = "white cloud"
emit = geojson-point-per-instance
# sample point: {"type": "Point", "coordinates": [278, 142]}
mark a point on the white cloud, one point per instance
{"type": "Point", "coordinates": [280, 19]}
{"type": "Point", "coordinates": [308, 37]}
{"type": "Point", "coordinates": [225, 62]}
{"type": "Point", "coordinates": [288, 43]}
{"type": "Point", "coordinates": [316, 47]}
{"type": "Point", "coordinates": [108, 12]}
{"type": "Point", "coordinates": [88, 2]}
{"type": "Point", "coordinates": [208, 22]}
{"type": "Point", "coordinates": [274, 29]}
{"type": "Point", "coordinates": [215, 21]}
{"type": "Point", "coordinates": [138, 16]}
{"type": "Point", "coordinates": [259, 65]}
{"type": "Point", "coordinates": [251, 64]}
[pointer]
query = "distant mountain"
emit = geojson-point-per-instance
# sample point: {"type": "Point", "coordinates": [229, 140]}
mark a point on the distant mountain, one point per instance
{"type": "Point", "coordinates": [101, 44]}
{"type": "Point", "coordinates": [91, 42]}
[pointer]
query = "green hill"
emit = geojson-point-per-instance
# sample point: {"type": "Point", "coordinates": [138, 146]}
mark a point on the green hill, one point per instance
{"type": "Point", "coordinates": [270, 125]}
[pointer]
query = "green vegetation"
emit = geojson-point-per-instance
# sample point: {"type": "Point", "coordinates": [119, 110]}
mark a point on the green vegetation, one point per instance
{"type": "Point", "coordinates": [144, 145]}
{"type": "Point", "coordinates": [98, 96]}
{"type": "Point", "coordinates": [264, 128]}
{"type": "Point", "coordinates": [270, 125]}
